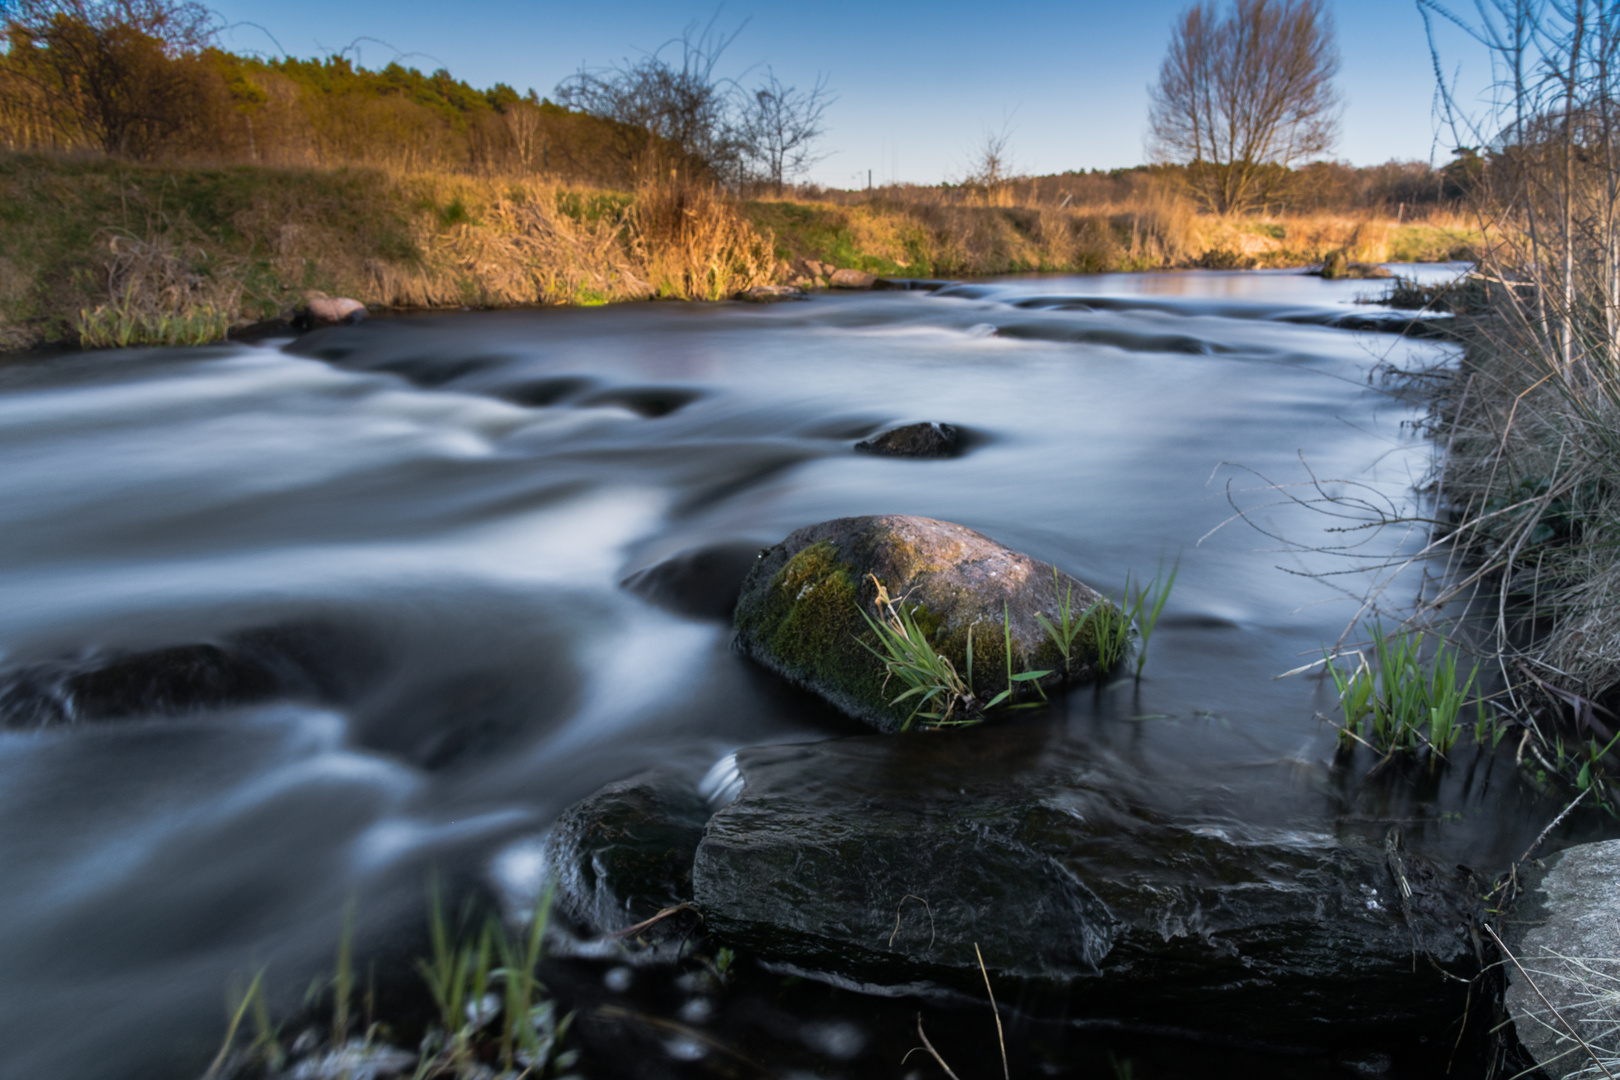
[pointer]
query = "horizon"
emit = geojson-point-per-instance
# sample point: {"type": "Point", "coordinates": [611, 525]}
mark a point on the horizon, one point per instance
{"type": "Point", "coordinates": [900, 116]}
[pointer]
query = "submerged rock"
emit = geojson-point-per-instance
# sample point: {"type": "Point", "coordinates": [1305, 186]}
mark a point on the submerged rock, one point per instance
{"type": "Point", "coordinates": [1565, 931]}
{"type": "Point", "coordinates": [178, 679]}
{"type": "Point", "coordinates": [928, 440]}
{"type": "Point", "coordinates": [800, 612]}
{"type": "Point", "coordinates": [623, 854]}
{"type": "Point", "coordinates": [702, 583]}
{"type": "Point", "coordinates": [770, 294]}
{"type": "Point", "coordinates": [893, 865]}
{"type": "Point", "coordinates": [309, 660]}
{"type": "Point", "coordinates": [1338, 266]}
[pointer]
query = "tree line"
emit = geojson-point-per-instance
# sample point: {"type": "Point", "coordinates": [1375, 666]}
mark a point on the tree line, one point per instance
{"type": "Point", "coordinates": [145, 80]}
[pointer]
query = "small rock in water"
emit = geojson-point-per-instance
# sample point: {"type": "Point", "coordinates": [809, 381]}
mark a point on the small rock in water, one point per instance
{"type": "Point", "coordinates": [1338, 266]}
{"type": "Point", "coordinates": [800, 612]}
{"type": "Point", "coordinates": [320, 308]}
{"type": "Point", "coordinates": [846, 278]}
{"type": "Point", "coordinates": [1565, 931]}
{"type": "Point", "coordinates": [770, 294]}
{"type": "Point", "coordinates": [623, 854]}
{"type": "Point", "coordinates": [929, 440]}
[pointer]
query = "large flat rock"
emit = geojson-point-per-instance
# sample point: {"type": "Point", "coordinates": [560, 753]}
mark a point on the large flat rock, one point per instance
{"type": "Point", "coordinates": [881, 863]}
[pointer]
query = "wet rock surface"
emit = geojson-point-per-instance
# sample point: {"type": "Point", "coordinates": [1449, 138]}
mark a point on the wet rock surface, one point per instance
{"type": "Point", "coordinates": [701, 584]}
{"type": "Point", "coordinates": [621, 855]}
{"type": "Point", "coordinates": [309, 661]}
{"type": "Point", "coordinates": [930, 440]}
{"type": "Point", "coordinates": [799, 613]}
{"type": "Point", "coordinates": [1565, 932]}
{"type": "Point", "coordinates": [882, 863]}
{"type": "Point", "coordinates": [770, 294]}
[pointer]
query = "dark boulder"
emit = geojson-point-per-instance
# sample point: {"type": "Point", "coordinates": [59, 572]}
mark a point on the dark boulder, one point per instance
{"type": "Point", "coordinates": [893, 864]}
{"type": "Point", "coordinates": [702, 583]}
{"type": "Point", "coordinates": [623, 854]}
{"type": "Point", "coordinates": [915, 441]}
{"type": "Point", "coordinates": [178, 679]}
{"type": "Point", "coordinates": [309, 660]}
{"type": "Point", "coordinates": [800, 611]}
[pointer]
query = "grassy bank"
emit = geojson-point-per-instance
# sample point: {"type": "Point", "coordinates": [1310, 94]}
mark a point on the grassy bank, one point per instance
{"type": "Point", "coordinates": [132, 252]}
{"type": "Point", "coordinates": [104, 252]}
{"type": "Point", "coordinates": [933, 233]}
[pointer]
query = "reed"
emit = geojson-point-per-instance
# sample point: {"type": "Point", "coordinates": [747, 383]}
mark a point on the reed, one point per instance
{"type": "Point", "coordinates": [1401, 702]}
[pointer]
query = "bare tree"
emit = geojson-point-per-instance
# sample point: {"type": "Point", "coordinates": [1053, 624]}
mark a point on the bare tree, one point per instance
{"type": "Point", "coordinates": [680, 103]}
{"type": "Point", "coordinates": [1244, 95]}
{"type": "Point", "coordinates": [523, 121]}
{"type": "Point", "coordinates": [992, 166]}
{"type": "Point", "coordinates": [779, 126]}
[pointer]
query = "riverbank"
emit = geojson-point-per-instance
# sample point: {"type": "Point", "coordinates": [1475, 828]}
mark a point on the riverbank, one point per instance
{"type": "Point", "coordinates": [99, 251]}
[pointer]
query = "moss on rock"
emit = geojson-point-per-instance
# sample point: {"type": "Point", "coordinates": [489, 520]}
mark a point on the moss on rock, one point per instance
{"type": "Point", "coordinates": [800, 612]}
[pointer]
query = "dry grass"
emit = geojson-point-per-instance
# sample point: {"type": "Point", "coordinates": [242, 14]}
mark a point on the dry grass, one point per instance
{"type": "Point", "coordinates": [243, 243]}
{"type": "Point", "coordinates": [161, 292]}
{"type": "Point", "coordinates": [695, 245]}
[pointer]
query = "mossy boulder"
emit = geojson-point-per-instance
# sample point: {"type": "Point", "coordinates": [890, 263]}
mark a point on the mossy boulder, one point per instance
{"type": "Point", "coordinates": [801, 610]}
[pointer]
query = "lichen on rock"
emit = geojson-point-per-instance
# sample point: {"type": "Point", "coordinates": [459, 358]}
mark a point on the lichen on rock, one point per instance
{"type": "Point", "coordinates": [800, 612]}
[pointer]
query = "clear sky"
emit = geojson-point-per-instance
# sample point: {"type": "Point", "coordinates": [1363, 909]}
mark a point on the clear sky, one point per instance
{"type": "Point", "coordinates": [918, 84]}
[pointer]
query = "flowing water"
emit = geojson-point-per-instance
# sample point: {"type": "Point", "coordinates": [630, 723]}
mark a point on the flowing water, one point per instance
{"type": "Point", "coordinates": [418, 530]}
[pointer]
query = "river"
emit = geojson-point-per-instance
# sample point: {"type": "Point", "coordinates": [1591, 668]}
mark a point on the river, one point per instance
{"type": "Point", "coordinates": [420, 526]}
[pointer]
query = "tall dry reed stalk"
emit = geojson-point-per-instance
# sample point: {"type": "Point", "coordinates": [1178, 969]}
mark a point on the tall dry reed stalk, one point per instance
{"type": "Point", "coordinates": [1532, 417]}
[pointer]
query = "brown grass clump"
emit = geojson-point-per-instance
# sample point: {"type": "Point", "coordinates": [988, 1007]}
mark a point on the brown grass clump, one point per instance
{"type": "Point", "coordinates": [695, 245]}
{"type": "Point", "coordinates": [161, 292]}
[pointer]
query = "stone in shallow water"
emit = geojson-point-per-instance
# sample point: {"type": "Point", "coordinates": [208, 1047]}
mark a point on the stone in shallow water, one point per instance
{"type": "Point", "coordinates": [800, 609]}
{"type": "Point", "coordinates": [881, 863]}
{"type": "Point", "coordinates": [914, 440]}
{"type": "Point", "coordinates": [1565, 931]}
{"type": "Point", "coordinates": [622, 854]}
{"type": "Point", "coordinates": [702, 583]}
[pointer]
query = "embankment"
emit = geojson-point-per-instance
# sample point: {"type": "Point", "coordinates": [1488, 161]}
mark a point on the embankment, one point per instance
{"type": "Point", "coordinates": [98, 251]}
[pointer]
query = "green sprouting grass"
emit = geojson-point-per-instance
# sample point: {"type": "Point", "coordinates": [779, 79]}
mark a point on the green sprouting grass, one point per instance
{"type": "Point", "coordinates": [1402, 703]}
{"type": "Point", "coordinates": [119, 326]}
{"type": "Point", "coordinates": [492, 1008]}
{"type": "Point", "coordinates": [1113, 624]}
{"type": "Point", "coordinates": [937, 692]}
{"type": "Point", "coordinates": [519, 1025]}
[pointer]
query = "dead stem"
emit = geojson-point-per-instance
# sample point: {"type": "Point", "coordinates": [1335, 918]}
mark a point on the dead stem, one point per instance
{"type": "Point", "coordinates": [1532, 983]}
{"type": "Point", "coordinates": [1000, 1037]}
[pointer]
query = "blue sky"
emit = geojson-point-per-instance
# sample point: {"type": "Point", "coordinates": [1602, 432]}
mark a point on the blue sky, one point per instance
{"type": "Point", "coordinates": [918, 84]}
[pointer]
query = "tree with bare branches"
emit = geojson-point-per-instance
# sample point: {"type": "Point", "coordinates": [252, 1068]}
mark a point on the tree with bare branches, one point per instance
{"type": "Point", "coordinates": [1245, 94]}
{"type": "Point", "coordinates": [779, 127]}
{"type": "Point", "coordinates": [670, 101]}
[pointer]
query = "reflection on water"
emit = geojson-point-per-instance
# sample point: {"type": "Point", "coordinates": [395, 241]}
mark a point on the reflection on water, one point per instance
{"type": "Point", "coordinates": [412, 534]}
